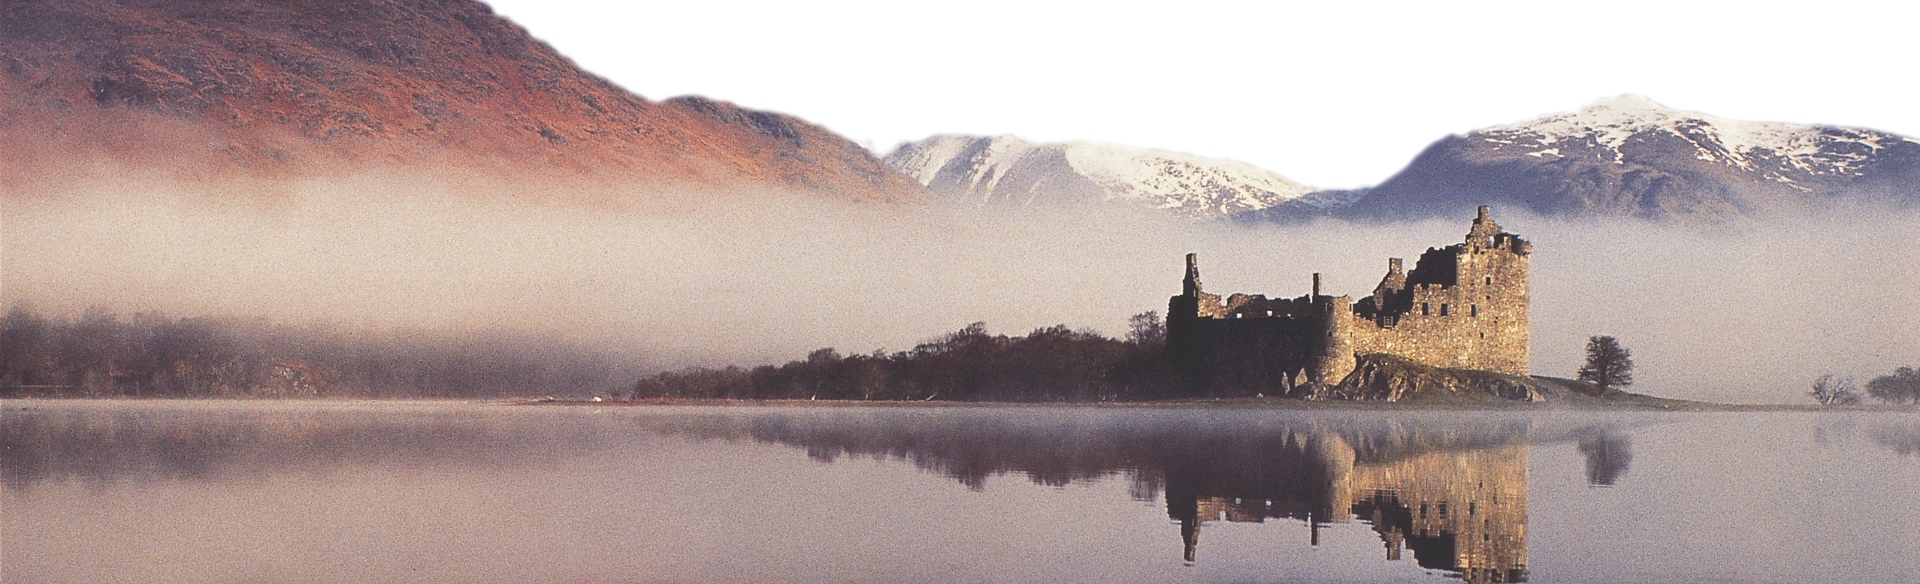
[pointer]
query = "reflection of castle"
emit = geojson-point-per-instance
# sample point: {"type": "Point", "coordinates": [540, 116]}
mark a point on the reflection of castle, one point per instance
{"type": "Point", "coordinates": [1464, 511]}
{"type": "Point", "coordinates": [1451, 490]}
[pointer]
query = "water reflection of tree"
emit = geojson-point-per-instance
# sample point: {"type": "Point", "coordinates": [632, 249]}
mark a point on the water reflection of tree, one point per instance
{"type": "Point", "coordinates": [1902, 439]}
{"type": "Point", "coordinates": [106, 446]}
{"type": "Point", "coordinates": [1608, 453]}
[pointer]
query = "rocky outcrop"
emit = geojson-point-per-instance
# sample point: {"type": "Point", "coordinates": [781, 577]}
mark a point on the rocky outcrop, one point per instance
{"type": "Point", "coordinates": [1381, 377]}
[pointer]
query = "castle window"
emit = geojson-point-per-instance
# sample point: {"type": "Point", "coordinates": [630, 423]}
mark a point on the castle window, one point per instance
{"type": "Point", "coordinates": [1489, 280]}
{"type": "Point", "coordinates": [1424, 309]}
{"type": "Point", "coordinates": [1443, 309]}
{"type": "Point", "coordinates": [1473, 310]}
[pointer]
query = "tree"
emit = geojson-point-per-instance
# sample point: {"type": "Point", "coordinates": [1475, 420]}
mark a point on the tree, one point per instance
{"type": "Point", "coordinates": [1902, 386]}
{"type": "Point", "coordinates": [28, 354]}
{"type": "Point", "coordinates": [1146, 329]}
{"type": "Point", "coordinates": [1609, 365]}
{"type": "Point", "coordinates": [1835, 391]}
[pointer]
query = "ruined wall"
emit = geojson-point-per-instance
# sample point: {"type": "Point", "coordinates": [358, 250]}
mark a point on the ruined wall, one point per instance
{"type": "Point", "coordinates": [1464, 306]}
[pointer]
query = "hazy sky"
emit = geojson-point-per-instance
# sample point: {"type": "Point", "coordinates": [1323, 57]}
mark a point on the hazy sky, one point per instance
{"type": "Point", "coordinates": [1331, 94]}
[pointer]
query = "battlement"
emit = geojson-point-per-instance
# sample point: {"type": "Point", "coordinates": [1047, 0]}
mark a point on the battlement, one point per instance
{"type": "Point", "coordinates": [1461, 306]}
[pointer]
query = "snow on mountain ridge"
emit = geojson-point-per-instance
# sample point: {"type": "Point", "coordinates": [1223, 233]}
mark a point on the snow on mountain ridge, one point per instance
{"type": "Point", "coordinates": [1007, 168]}
{"type": "Point", "coordinates": [1611, 123]}
{"type": "Point", "coordinates": [1180, 179]}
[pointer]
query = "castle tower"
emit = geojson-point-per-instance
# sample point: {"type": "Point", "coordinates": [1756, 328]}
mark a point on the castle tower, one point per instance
{"type": "Point", "coordinates": [1484, 229]}
{"type": "Point", "coordinates": [1334, 356]}
{"type": "Point", "coordinates": [1492, 276]}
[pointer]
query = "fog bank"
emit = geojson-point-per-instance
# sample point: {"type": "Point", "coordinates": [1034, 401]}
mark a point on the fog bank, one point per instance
{"type": "Point", "coordinates": [1747, 312]}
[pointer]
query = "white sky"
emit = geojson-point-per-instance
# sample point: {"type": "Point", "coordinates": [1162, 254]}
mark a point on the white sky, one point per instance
{"type": "Point", "coordinates": [1330, 94]}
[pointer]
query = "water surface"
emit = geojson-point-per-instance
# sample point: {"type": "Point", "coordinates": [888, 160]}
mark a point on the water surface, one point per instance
{"type": "Point", "coordinates": [445, 492]}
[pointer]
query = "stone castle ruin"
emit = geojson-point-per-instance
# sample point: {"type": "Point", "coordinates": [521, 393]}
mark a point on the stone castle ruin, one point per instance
{"type": "Point", "coordinates": [1461, 307]}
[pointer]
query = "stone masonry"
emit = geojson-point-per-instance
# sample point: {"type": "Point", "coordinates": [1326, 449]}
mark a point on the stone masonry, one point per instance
{"type": "Point", "coordinates": [1463, 306]}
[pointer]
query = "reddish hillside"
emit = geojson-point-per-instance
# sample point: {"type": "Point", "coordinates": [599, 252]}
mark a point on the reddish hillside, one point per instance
{"type": "Point", "coordinates": [276, 86]}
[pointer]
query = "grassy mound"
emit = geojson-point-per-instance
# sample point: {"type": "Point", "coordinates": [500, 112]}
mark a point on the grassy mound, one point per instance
{"type": "Point", "coordinates": [1382, 377]}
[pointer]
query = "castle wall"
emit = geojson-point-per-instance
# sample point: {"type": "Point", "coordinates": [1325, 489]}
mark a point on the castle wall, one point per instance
{"type": "Point", "coordinates": [1478, 322]}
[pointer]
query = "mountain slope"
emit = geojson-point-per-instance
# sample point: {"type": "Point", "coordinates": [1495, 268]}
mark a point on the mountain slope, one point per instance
{"type": "Point", "coordinates": [1005, 170]}
{"type": "Point", "coordinates": [270, 86]}
{"type": "Point", "coordinates": [1628, 156]}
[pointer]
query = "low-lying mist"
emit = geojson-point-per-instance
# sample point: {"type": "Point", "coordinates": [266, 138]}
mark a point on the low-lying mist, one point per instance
{"type": "Point", "coordinates": [1745, 312]}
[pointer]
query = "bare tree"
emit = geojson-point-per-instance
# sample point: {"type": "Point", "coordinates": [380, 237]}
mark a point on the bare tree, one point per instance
{"type": "Point", "coordinates": [1609, 365]}
{"type": "Point", "coordinates": [1834, 391]}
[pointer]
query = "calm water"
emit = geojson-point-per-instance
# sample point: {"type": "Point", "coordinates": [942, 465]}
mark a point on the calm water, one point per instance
{"type": "Point", "coordinates": [435, 492]}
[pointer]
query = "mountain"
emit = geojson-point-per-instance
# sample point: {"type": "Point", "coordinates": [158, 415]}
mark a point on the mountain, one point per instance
{"type": "Point", "coordinates": [198, 88]}
{"type": "Point", "coordinates": [1630, 157]}
{"type": "Point", "coordinates": [1005, 170]}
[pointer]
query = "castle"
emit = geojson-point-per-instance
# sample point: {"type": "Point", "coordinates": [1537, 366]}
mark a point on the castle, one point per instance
{"type": "Point", "coordinates": [1462, 307]}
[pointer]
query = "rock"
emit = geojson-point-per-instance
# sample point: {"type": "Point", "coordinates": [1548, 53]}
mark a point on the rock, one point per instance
{"type": "Point", "coordinates": [1389, 378]}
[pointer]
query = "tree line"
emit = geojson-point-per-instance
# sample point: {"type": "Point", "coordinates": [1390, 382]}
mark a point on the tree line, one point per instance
{"type": "Point", "coordinates": [100, 354]}
{"type": "Point", "coordinates": [1049, 364]}
{"type": "Point", "coordinates": [1901, 387]}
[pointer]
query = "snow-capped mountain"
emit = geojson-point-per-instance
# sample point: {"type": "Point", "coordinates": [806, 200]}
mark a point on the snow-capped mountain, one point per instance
{"type": "Point", "coordinates": [1629, 156]}
{"type": "Point", "coordinates": [1779, 152]}
{"type": "Point", "coordinates": [1008, 170]}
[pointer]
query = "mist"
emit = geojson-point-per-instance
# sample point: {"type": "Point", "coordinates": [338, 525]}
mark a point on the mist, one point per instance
{"type": "Point", "coordinates": [1749, 312]}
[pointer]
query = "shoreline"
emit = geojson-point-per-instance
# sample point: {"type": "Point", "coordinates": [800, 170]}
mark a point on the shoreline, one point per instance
{"type": "Point", "coordinates": [1634, 403]}
{"type": "Point", "coordinates": [1663, 405]}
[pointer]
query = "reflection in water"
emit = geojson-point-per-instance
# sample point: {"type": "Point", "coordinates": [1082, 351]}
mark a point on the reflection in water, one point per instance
{"type": "Point", "coordinates": [132, 444]}
{"type": "Point", "coordinates": [1459, 510]}
{"type": "Point", "coordinates": [1902, 439]}
{"type": "Point", "coordinates": [1462, 511]}
{"type": "Point", "coordinates": [1453, 490]}
{"type": "Point", "coordinates": [1608, 453]}
{"type": "Point", "coordinates": [361, 493]}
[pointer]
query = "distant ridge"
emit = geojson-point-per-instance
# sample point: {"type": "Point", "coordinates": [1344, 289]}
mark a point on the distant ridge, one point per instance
{"type": "Point", "coordinates": [198, 88]}
{"type": "Point", "coordinates": [1625, 156]}
{"type": "Point", "coordinates": [1630, 157]}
